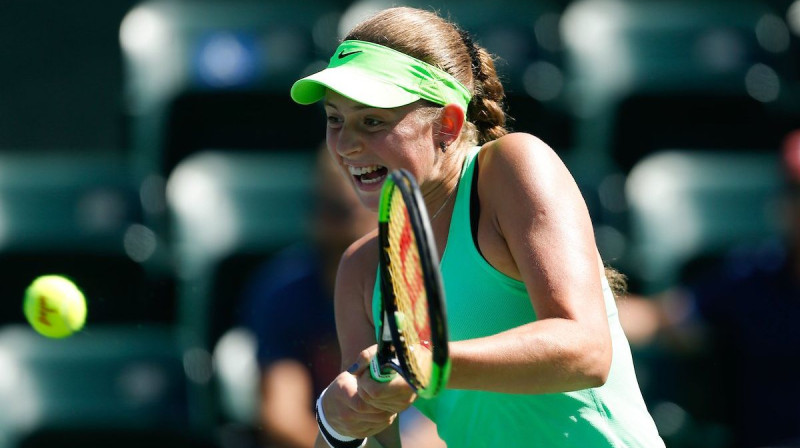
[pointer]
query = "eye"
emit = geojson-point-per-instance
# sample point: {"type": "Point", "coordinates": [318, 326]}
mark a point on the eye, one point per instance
{"type": "Point", "coordinates": [372, 122]}
{"type": "Point", "coordinates": [334, 121]}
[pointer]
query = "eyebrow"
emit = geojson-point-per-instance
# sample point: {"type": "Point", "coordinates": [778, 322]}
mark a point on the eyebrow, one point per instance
{"type": "Point", "coordinates": [358, 106]}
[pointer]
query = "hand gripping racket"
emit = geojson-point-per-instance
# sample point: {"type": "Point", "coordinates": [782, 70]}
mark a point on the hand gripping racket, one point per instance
{"type": "Point", "coordinates": [413, 332]}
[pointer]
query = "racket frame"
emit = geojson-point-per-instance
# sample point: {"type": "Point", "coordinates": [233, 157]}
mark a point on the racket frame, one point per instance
{"type": "Point", "coordinates": [391, 357]}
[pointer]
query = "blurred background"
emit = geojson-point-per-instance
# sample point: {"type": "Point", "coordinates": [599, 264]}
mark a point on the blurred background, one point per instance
{"type": "Point", "coordinates": [150, 151]}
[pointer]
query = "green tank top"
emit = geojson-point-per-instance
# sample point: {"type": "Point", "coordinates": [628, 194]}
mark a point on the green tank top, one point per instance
{"type": "Point", "coordinates": [482, 301]}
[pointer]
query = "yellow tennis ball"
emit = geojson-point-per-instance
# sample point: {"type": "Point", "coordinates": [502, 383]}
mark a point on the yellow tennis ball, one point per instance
{"type": "Point", "coordinates": [54, 306]}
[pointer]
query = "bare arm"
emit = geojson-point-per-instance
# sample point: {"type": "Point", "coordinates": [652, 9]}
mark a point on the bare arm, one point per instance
{"type": "Point", "coordinates": [286, 389]}
{"type": "Point", "coordinates": [350, 408]}
{"type": "Point", "coordinates": [549, 245]}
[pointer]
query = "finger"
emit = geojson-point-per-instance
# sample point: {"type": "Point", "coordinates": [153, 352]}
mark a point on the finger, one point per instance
{"type": "Point", "coordinates": [389, 398]}
{"type": "Point", "coordinates": [397, 386]}
{"type": "Point", "coordinates": [371, 429]}
{"type": "Point", "coordinates": [360, 406]}
{"type": "Point", "coordinates": [362, 361]}
{"type": "Point", "coordinates": [391, 406]}
{"type": "Point", "coordinates": [365, 415]}
{"type": "Point", "coordinates": [361, 425]}
{"type": "Point", "coordinates": [368, 391]}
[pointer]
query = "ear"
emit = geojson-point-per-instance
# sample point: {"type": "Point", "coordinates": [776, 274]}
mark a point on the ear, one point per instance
{"type": "Point", "coordinates": [452, 122]}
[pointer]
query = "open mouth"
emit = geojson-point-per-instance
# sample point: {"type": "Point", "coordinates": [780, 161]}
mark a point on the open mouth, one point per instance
{"type": "Point", "coordinates": [369, 175]}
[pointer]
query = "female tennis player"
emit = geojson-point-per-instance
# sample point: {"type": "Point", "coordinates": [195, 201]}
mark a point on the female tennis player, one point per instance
{"type": "Point", "coordinates": [537, 353]}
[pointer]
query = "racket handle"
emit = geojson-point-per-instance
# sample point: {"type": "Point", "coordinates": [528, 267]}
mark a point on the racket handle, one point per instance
{"type": "Point", "coordinates": [380, 373]}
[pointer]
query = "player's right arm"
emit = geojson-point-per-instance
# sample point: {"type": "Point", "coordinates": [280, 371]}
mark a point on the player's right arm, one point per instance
{"type": "Point", "coordinates": [344, 409]}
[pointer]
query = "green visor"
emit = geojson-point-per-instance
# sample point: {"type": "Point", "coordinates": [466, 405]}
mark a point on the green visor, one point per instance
{"type": "Point", "coordinates": [378, 76]}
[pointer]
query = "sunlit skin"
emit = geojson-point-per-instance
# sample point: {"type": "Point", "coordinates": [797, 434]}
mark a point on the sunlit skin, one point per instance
{"type": "Point", "coordinates": [361, 136]}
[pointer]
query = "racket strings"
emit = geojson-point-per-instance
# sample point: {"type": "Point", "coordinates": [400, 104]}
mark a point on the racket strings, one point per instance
{"type": "Point", "coordinates": [408, 283]}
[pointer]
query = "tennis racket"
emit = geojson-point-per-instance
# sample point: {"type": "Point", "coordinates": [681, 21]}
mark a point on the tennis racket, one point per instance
{"type": "Point", "coordinates": [413, 330]}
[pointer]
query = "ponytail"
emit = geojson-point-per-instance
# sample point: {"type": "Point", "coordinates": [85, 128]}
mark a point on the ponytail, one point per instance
{"type": "Point", "coordinates": [617, 281]}
{"type": "Point", "coordinates": [486, 110]}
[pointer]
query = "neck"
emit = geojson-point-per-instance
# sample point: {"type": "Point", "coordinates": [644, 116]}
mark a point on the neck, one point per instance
{"type": "Point", "coordinates": [441, 203]}
{"type": "Point", "coordinates": [440, 198]}
{"type": "Point", "coordinates": [445, 204]}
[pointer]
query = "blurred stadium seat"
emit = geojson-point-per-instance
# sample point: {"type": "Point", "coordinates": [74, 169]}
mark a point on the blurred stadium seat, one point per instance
{"type": "Point", "coordinates": [67, 200]}
{"type": "Point", "coordinates": [238, 376]}
{"type": "Point", "coordinates": [77, 214]}
{"type": "Point", "coordinates": [231, 210]}
{"type": "Point", "coordinates": [61, 83]}
{"type": "Point", "coordinates": [646, 76]}
{"type": "Point", "coordinates": [106, 380]}
{"type": "Point", "coordinates": [686, 205]}
{"type": "Point", "coordinates": [118, 438]}
{"type": "Point", "coordinates": [214, 73]}
{"type": "Point", "coordinates": [791, 10]}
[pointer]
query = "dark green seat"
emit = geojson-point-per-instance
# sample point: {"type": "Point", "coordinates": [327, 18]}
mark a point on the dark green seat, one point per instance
{"type": "Point", "coordinates": [216, 73]}
{"type": "Point", "coordinates": [105, 378]}
{"type": "Point", "coordinates": [649, 75]}
{"type": "Point", "coordinates": [686, 204]}
{"type": "Point", "coordinates": [230, 209]}
{"type": "Point", "coordinates": [78, 214]}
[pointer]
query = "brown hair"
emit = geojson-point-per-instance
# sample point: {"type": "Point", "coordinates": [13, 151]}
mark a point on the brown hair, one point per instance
{"type": "Point", "coordinates": [617, 281]}
{"type": "Point", "coordinates": [432, 39]}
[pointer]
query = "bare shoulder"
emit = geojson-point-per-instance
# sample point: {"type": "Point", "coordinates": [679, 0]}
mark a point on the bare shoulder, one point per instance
{"type": "Point", "coordinates": [521, 161]}
{"type": "Point", "coordinates": [361, 254]}
{"type": "Point", "coordinates": [353, 297]}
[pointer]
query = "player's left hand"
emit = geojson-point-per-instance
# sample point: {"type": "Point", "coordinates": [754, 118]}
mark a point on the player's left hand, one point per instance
{"type": "Point", "coordinates": [393, 396]}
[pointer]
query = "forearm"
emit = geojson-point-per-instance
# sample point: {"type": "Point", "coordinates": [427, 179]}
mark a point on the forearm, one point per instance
{"type": "Point", "coordinates": [292, 433]}
{"type": "Point", "coordinates": [388, 438]}
{"type": "Point", "coordinates": [547, 356]}
{"type": "Point", "coordinates": [286, 388]}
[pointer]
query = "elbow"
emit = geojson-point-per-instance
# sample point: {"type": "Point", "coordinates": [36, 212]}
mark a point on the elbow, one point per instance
{"type": "Point", "coordinates": [590, 366]}
{"type": "Point", "coordinates": [599, 378]}
{"type": "Point", "coordinates": [599, 366]}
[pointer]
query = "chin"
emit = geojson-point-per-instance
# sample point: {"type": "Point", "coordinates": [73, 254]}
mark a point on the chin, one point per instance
{"type": "Point", "coordinates": [370, 201]}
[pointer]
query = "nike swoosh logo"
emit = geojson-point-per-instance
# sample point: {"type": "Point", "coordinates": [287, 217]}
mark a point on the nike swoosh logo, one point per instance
{"type": "Point", "coordinates": [343, 55]}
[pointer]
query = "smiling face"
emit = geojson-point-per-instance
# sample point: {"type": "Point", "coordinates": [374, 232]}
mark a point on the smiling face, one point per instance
{"type": "Point", "coordinates": [367, 143]}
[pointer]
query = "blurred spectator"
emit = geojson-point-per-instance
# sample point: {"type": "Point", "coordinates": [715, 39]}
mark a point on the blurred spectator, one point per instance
{"type": "Point", "coordinates": [740, 315]}
{"type": "Point", "coordinates": [288, 305]}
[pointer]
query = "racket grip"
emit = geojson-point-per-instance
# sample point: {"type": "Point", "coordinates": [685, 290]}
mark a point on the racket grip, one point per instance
{"type": "Point", "coordinates": [379, 373]}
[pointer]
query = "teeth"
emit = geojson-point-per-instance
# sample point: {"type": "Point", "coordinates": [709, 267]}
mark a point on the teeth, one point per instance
{"type": "Point", "coordinates": [361, 170]}
{"type": "Point", "coordinates": [371, 181]}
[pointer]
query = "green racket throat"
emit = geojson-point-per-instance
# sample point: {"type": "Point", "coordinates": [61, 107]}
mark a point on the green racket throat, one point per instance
{"type": "Point", "coordinates": [387, 372]}
{"type": "Point", "coordinates": [381, 374]}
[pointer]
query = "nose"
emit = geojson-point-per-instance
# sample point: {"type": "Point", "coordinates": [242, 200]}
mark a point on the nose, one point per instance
{"type": "Point", "coordinates": [348, 142]}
